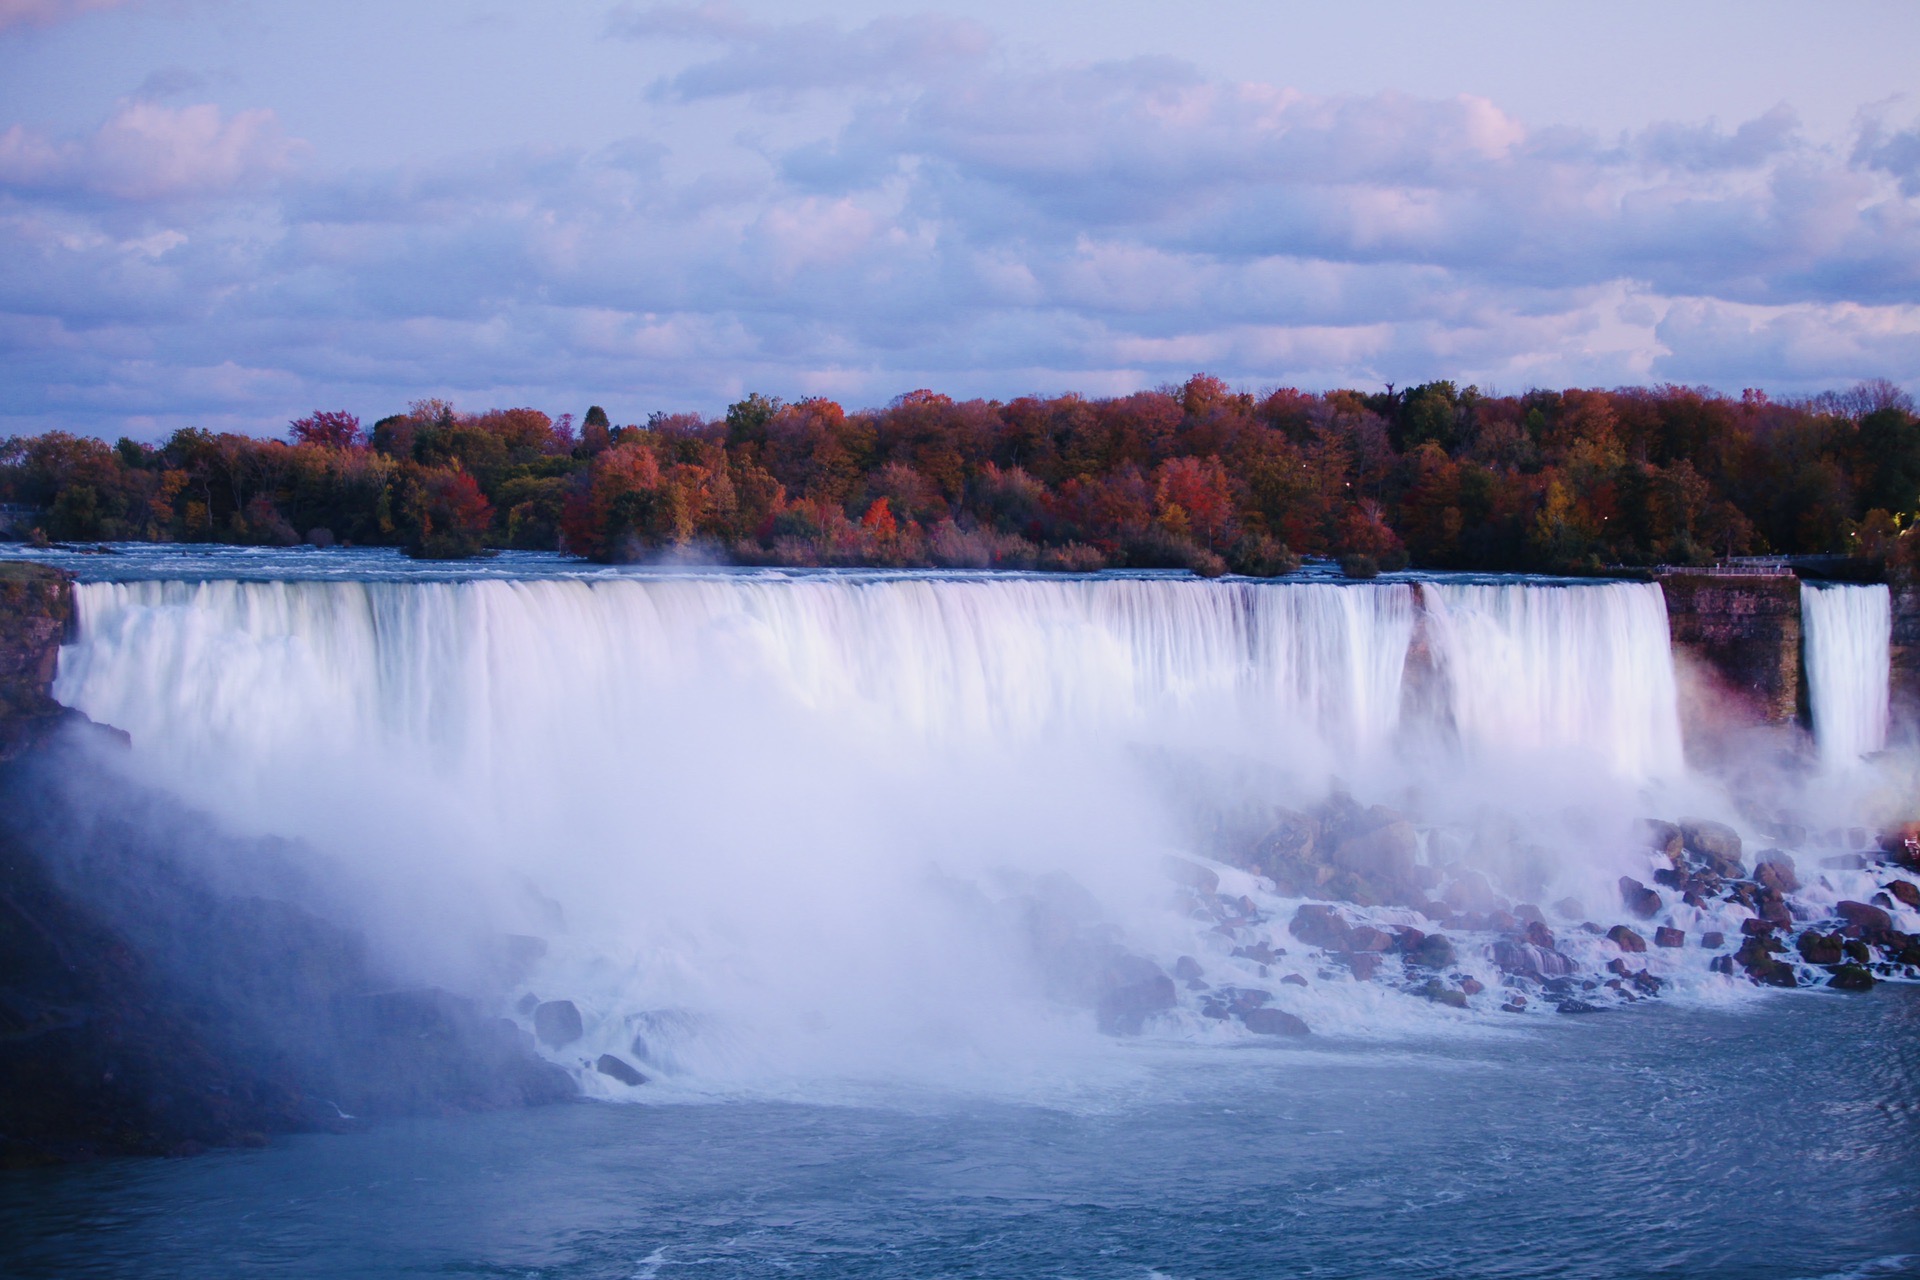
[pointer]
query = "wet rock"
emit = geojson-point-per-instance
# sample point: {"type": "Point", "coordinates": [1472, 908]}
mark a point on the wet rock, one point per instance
{"type": "Point", "coordinates": [1192, 875]}
{"type": "Point", "coordinates": [1132, 989]}
{"type": "Point", "coordinates": [1626, 939]}
{"type": "Point", "coordinates": [1320, 926]}
{"type": "Point", "coordinates": [1666, 936]}
{"type": "Point", "coordinates": [1775, 871]}
{"type": "Point", "coordinates": [556, 1023]}
{"type": "Point", "coordinates": [1186, 968]}
{"type": "Point", "coordinates": [1294, 980]}
{"type": "Point", "coordinates": [1526, 960]}
{"type": "Point", "coordinates": [1537, 934]}
{"type": "Point", "coordinates": [1527, 913]}
{"type": "Point", "coordinates": [1259, 953]}
{"type": "Point", "coordinates": [1845, 862]}
{"type": "Point", "coordinates": [1756, 928]}
{"type": "Point", "coordinates": [1472, 986]}
{"type": "Point", "coordinates": [1881, 900]}
{"type": "Point", "coordinates": [1243, 1000]}
{"type": "Point", "coordinates": [1871, 921]}
{"type": "Point", "coordinates": [1820, 948]}
{"type": "Point", "coordinates": [1850, 977]}
{"type": "Point", "coordinates": [1713, 940]}
{"type": "Point", "coordinates": [1440, 993]}
{"type": "Point", "coordinates": [1773, 907]}
{"type": "Point", "coordinates": [1361, 964]}
{"type": "Point", "coordinates": [1274, 1022]}
{"type": "Point", "coordinates": [1857, 951]}
{"type": "Point", "coordinates": [1756, 958]}
{"type": "Point", "coordinates": [1577, 1006]}
{"type": "Point", "coordinates": [1367, 938]}
{"type": "Point", "coordinates": [526, 1005]}
{"type": "Point", "coordinates": [1640, 900]}
{"type": "Point", "coordinates": [1721, 964]}
{"type": "Point", "coordinates": [1907, 892]}
{"type": "Point", "coordinates": [1514, 1004]}
{"type": "Point", "coordinates": [1434, 951]}
{"type": "Point", "coordinates": [1570, 908]}
{"type": "Point", "coordinates": [1713, 844]}
{"type": "Point", "coordinates": [619, 1069]}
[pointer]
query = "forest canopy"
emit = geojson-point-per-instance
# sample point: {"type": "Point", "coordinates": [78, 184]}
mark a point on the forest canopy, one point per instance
{"type": "Point", "coordinates": [1199, 476]}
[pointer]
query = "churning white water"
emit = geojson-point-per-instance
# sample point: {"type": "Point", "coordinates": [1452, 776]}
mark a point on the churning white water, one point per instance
{"type": "Point", "coordinates": [1847, 632]}
{"type": "Point", "coordinates": [801, 812]}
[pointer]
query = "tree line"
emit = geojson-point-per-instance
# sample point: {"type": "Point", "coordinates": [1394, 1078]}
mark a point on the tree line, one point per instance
{"type": "Point", "coordinates": [1197, 476]}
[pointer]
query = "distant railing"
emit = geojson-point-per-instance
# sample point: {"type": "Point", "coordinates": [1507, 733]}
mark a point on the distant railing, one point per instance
{"type": "Point", "coordinates": [1749, 569]}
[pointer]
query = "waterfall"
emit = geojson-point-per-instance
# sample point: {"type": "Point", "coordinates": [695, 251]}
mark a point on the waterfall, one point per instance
{"type": "Point", "coordinates": [1534, 668]}
{"type": "Point", "coordinates": [819, 807]}
{"type": "Point", "coordinates": [1847, 632]}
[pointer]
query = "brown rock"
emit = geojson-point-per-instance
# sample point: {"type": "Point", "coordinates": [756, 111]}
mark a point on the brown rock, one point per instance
{"type": "Point", "coordinates": [1872, 922]}
{"type": "Point", "coordinates": [1668, 937]}
{"type": "Point", "coordinates": [1713, 941]}
{"type": "Point", "coordinates": [1775, 871]}
{"type": "Point", "coordinates": [1367, 938]}
{"type": "Point", "coordinates": [1320, 926]}
{"type": "Point", "coordinates": [1907, 892]}
{"type": "Point", "coordinates": [1715, 844]}
{"type": "Point", "coordinates": [1640, 900]}
{"type": "Point", "coordinates": [1820, 948]}
{"type": "Point", "coordinates": [1626, 939]}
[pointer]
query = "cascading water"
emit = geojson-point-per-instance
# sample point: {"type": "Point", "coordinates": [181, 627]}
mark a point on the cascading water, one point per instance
{"type": "Point", "coordinates": [799, 814]}
{"type": "Point", "coordinates": [1847, 632]}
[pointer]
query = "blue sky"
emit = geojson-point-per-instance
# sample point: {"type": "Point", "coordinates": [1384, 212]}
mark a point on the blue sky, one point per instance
{"type": "Point", "coordinates": [228, 213]}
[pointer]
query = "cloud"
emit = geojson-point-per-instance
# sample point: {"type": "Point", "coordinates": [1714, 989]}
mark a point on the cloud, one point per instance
{"type": "Point", "coordinates": [961, 219]}
{"type": "Point", "coordinates": [771, 59]}
{"type": "Point", "coordinates": [146, 151]}
{"type": "Point", "coordinates": [46, 13]}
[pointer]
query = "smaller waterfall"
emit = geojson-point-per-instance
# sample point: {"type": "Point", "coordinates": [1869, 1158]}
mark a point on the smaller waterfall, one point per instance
{"type": "Point", "coordinates": [1847, 633]}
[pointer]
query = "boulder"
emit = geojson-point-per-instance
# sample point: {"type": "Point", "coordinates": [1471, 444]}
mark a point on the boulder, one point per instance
{"type": "Point", "coordinates": [1713, 844]}
{"type": "Point", "coordinates": [1470, 892]}
{"type": "Point", "coordinates": [1386, 853]}
{"type": "Point", "coordinates": [1640, 900]}
{"type": "Point", "coordinates": [1713, 940]}
{"type": "Point", "coordinates": [1294, 980]}
{"type": "Point", "coordinates": [1820, 948]}
{"type": "Point", "coordinates": [1669, 937]}
{"type": "Point", "coordinates": [1537, 934]}
{"type": "Point", "coordinates": [1132, 988]}
{"type": "Point", "coordinates": [1362, 964]}
{"type": "Point", "coordinates": [1775, 871]}
{"type": "Point", "coordinates": [1872, 922]}
{"type": "Point", "coordinates": [1320, 926]}
{"type": "Point", "coordinates": [1186, 968]}
{"type": "Point", "coordinates": [1440, 993]}
{"type": "Point", "coordinates": [1274, 1022]}
{"type": "Point", "coordinates": [1577, 1006]}
{"type": "Point", "coordinates": [1434, 951]}
{"type": "Point", "coordinates": [1626, 939]}
{"type": "Point", "coordinates": [1367, 938]}
{"type": "Point", "coordinates": [1906, 892]}
{"type": "Point", "coordinates": [1851, 977]}
{"type": "Point", "coordinates": [557, 1023]}
{"type": "Point", "coordinates": [619, 1069]}
{"type": "Point", "coordinates": [1857, 951]}
{"type": "Point", "coordinates": [1528, 961]}
{"type": "Point", "coordinates": [1570, 908]}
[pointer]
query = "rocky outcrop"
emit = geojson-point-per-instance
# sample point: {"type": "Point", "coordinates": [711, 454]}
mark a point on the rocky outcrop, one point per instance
{"type": "Point", "coordinates": [1745, 629]}
{"type": "Point", "coordinates": [36, 611]}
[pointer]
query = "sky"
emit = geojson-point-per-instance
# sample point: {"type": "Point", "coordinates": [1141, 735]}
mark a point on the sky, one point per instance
{"type": "Point", "coordinates": [230, 213]}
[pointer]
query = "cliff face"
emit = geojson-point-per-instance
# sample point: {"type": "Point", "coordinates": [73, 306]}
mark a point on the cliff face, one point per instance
{"type": "Point", "coordinates": [1747, 629]}
{"type": "Point", "coordinates": [36, 611]}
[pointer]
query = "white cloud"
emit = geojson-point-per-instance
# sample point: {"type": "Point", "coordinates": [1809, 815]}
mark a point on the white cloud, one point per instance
{"type": "Point", "coordinates": [964, 221]}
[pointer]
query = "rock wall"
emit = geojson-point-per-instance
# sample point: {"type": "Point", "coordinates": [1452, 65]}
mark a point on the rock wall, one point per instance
{"type": "Point", "coordinates": [1905, 701]}
{"type": "Point", "coordinates": [1747, 631]}
{"type": "Point", "coordinates": [36, 610]}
